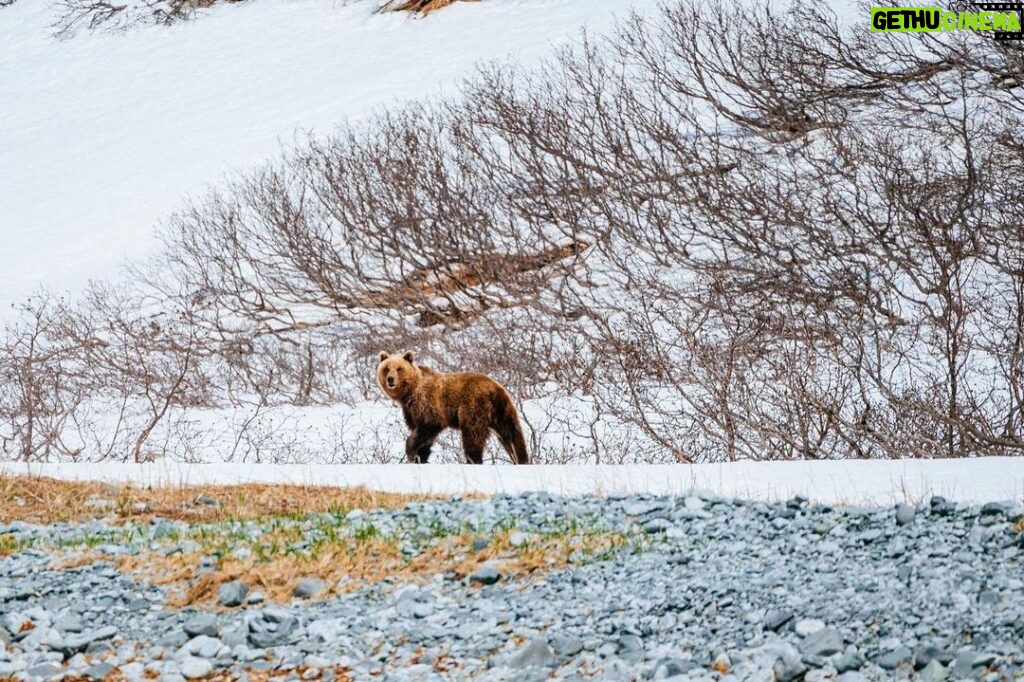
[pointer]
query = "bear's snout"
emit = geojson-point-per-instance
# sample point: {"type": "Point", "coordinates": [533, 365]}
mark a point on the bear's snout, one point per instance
{"type": "Point", "coordinates": [391, 382]}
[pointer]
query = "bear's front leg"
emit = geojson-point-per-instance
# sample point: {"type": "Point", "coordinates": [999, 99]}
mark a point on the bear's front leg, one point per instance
{"type": "Point", "coordinates": [419, 443]}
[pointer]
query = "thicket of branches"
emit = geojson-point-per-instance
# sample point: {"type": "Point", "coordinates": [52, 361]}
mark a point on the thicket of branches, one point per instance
{"type": "Point", "coordinates": [119, 15]}
{"type": "Point", "coordinates": [787, 240]}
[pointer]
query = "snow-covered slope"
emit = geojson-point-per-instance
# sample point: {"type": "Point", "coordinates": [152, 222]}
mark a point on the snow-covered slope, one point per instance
{"type": "Point", "coordinates": [101, 136]}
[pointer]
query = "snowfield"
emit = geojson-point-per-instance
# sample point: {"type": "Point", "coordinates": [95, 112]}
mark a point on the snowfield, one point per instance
{"type": "Point", "coordinates": [847, 482]}
{"type": "Point", "coordinates": [102, 136]}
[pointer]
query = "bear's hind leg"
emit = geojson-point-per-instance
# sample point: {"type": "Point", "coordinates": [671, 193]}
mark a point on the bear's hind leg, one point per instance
{"type": "Point", "coordinates": [474, 440]}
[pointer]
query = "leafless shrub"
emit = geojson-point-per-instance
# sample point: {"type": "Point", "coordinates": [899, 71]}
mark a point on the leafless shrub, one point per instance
{"type": "Point", "coordinates": [784, 241]}
{"type": "Point", "coordinates": [95, 15]}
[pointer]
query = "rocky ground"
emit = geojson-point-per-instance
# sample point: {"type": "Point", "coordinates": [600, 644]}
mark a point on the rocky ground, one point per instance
{"type": "Point", "coordinates": [632, 588]}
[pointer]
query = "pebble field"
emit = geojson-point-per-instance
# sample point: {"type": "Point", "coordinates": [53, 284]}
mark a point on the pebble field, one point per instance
{"type": "Point", "coordinates": [582, 588]}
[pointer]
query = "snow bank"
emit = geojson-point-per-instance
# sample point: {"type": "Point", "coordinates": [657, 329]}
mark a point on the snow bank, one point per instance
{"type": "Point", "coordinates": [871, 482]}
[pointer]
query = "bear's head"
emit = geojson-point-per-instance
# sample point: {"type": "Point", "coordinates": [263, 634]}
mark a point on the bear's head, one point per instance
{"type": "Point", "coordinates": [396, 374]}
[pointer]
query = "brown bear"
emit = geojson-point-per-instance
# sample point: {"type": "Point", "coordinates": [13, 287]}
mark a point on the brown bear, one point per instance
{"type": "Point", "coordinates": [434, 401]}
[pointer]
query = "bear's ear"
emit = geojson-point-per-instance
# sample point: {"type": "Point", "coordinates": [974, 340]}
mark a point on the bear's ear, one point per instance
{"type": "Point", "coordinates": [384, 355]}
{"type": "Point", "coordinates": [409, 357]}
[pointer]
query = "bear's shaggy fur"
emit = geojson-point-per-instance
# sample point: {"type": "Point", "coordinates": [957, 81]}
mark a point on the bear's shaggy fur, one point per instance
{"type": "Point", "coordinates": [434, 401]}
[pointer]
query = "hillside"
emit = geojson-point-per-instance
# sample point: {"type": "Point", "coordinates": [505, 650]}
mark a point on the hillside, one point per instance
{"type": "Point", "coordinates": [103, 136]}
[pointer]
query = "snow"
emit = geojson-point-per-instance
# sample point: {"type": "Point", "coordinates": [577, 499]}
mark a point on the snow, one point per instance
{"type": "Point", "coordinates": [104, 135]}
{"type": "Point", "coordinates": [849, 482]}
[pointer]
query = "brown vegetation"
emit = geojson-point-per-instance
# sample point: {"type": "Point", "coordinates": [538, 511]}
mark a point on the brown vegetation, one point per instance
{"type": "Point", "coordinates": [421, 6]}
{"type": "Point", "coordinates": [351, 563]}
{"type": "Point", "coordinates": [46, 500]}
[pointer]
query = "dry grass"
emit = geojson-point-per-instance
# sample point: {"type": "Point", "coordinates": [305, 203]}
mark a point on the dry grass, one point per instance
{"type": "Point", "coordinates": [8, 545]}
{"type": "Point", "coordinates": [421, 6]}
{"type": "Point", "coordinates": [47, 500]}
{"type": "Point", "coordinates": [350, 562]}
{"type": "Point", "coordinates": [341, 674]}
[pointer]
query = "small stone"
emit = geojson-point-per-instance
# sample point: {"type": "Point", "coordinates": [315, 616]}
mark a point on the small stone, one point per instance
{"type": "Point", "coordinates": [851, 660]}
{"type": "Point", "coordinates": [309, 588]}
{"type": "Point", "coordinates": [672, 668]}
{"type": "Point", "coordinates": [485, 575]}
{"type": "Point", "coordinates": [808, 626]}
{"type": "Point", "coordinates": [519, 539]}
{"type": "Point", "coordinates": [44, 671]}
{"type": "Point", "coordinates": [852, 676]}
{"type": "Point", "coordinates": [776, 618]}
{"type": "Point", "coordinates": [206, 500]}
{"type": "Point", "coordinates": [933, 672]}
{"type": "Point", "coordinates": [788, 665]}
{"type": "Point", "coordinates": [566, 645]}
{"type": "Point", "coordinates": [996, 508]}
{"type": "Point", "coordinates": [631, 647]}
{"type": "Point", "coordinates": [201, 624]}
{"type": "Point", "coordinates": [823, 642]}
{"type": "Point", "coordinates": [535, 654]}
{"type": "Point", "coordinates": [963, 667]}
{"type": "Point", "coordinates": [99, 671]}
{"type": "Point", "coordinates": [193, 668]}
{"type": "Point", "coordinates": [204, 647]}
{"type": "Point", "coordinates": [138, 604]}
{"type": "Point", "coordinates": [905, 514]}
{"type": "Point", "coordinates": [894, 659]}
{"type": "Point", "coordinates": [930, 653]}
{"type": "Point", "coordinates": [480, 544]}
{"type": "Point", "coordinates": [989, 598]}
{"type": "Point", "coordinates": [656, 525]}
{"type": "Point", "coordinates": [232, 593]}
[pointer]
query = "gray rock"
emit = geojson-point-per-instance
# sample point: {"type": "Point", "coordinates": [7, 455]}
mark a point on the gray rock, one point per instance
{"type": "Point", "coordinates": [201, 624]}
{"type": "Point", "coordinates": [138, 604]}
{"type": "Point", "coordinates": [271, 627]}
{"type": "Point", "coordinates": [808, 626]}
{"type": "Point", "coordinates": [232, 593]}
{"type": "Point", "coordinates": [929, 653]}
{"type": "Point", "coordinates": [518, 539]}
{"type": "Point", "coordinates": [824, 642]}
{"type": "Point", "coordinates": [657, 525]}
{"type": "Point", "coordinates": [485, 575]}
{"type": "Point", "coordinates": [44, 671]}
{"type": "Point", "coordinates": [788, 664]}
{"type": "Point", "coordinates": [850, 660]}
{"type": "Point", "coordinates": [204, 646]}
{"type": "Point", "coordinates": [989, 598]}
{"type": "Point", "coordinates": [940, 506]}
{"type": "Point", "coordinates": [566, 645]}
{"type": "Point", "coordinates": [996, 508]}
{"type": "Point", "coordinates": [98, 671]}
{"type": "Point", "coordinates": [934, 671]}
{"type": "Point", "coordinates": [894, 659]}
{"type": "Point", "coordinates": [309, 588]}
{"type": "Point", "coordinates": [776, 618]}
{"type": "Point", "coordinates": [195, 668]}
{"type": "Point", "coordinates": [672, 668]}
{"type": "Point", "coordinates": [534, 654]}
{"type": "Point", "coordinates": [70, 623]}
{"type": "Point", "coordinates": [905, 514]}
